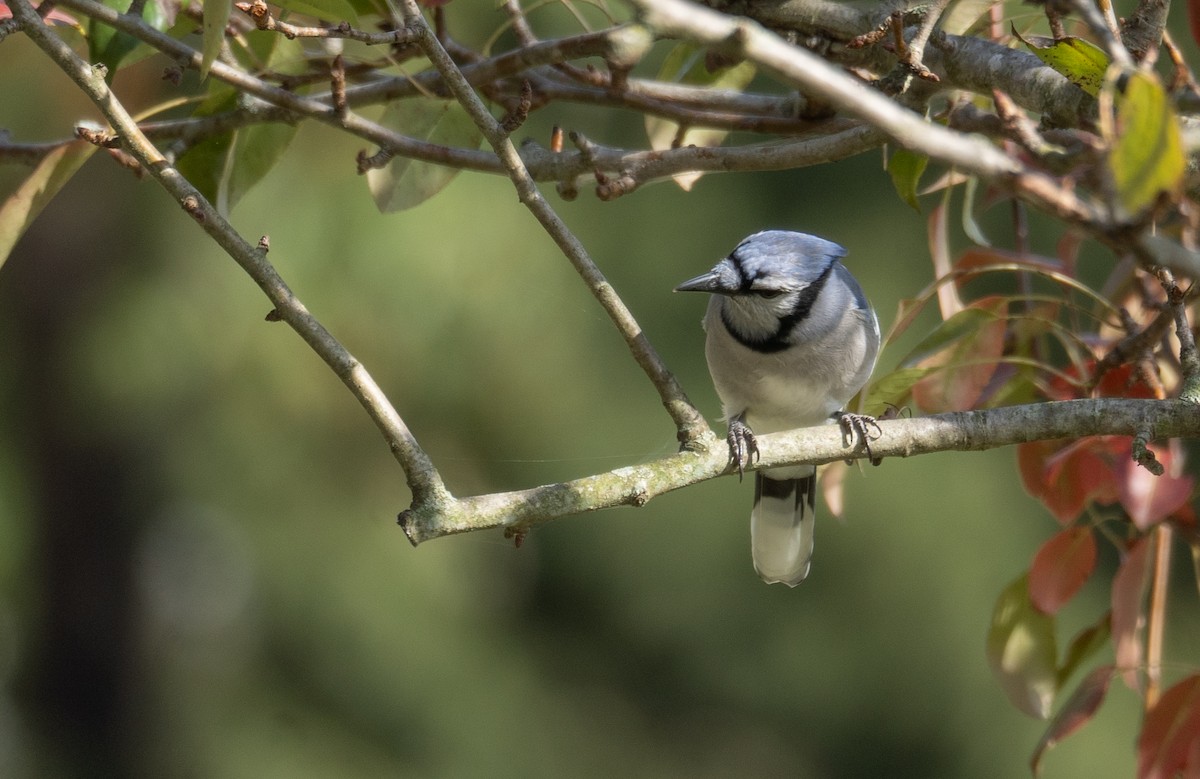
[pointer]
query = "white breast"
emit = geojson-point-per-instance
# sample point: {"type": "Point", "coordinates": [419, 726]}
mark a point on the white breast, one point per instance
{"type": "Point", "coordinates": [798, 387]}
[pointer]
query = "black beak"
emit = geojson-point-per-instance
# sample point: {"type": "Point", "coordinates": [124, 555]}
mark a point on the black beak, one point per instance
{"type": "Point", "coordinates": [706, 283]}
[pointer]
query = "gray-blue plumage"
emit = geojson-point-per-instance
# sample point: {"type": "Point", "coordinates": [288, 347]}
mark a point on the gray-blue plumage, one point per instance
{"type": "Point", "coordinates": [790, 339]}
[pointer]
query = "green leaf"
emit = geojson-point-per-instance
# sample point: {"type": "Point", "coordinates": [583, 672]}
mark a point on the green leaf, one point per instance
{"type": "Point", "coordinates": [256, 150]}
{"type": "Point", "coordinates": [687, 63]}
{"type": "Point", "coordinates": [225, 167]}
{"type": "Point", "coordinates": [963, 325]}
{"type": "Point", "coordinates": [969, 224]}
{"type": "Point", "coordinates": [1086, 643]}
{"type": "Point", "coordinates": [895, 388]}
{"type": "Point", "coordinates": [260, 49]}
{"type": "Point", "coordinates": [1075, 713]}
{"type": "Point", "coordinates": [19, 210]}
{"type": "Point", "coordinates": [1147, 151]}
{"type": "Point", "coordinates": [111, 48]}
{"type": "Point", "coordinates": [1083, 63]}
{"type": "Point", "coordinates": [369, 7]}
{"type": "Point", "coordinates": [216, 16]}
{"type": "Point", "coordinates": [204, 164]}
{"type": "Point", "coordinates": [407, 182]}
{"type": "Point", "coordinates": [330, 10]}
{"type": "Point", "coordinates": [905, 167]}
{"type": "Point", "coordinates": [1021, 651]}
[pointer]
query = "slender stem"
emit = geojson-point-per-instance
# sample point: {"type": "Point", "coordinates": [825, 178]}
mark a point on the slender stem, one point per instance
{"type": "Point", "coordinates": [423, 478]}
{"type": "Point", "coordinates": [321, 110]}
{"type": "Point", "coordinates": [915, 51]}
{"type": "Point", "coordinates": [1189, 358]}
{"type": "Point", "coordinates": [1156, 618]}
{"type": "Point", "coordinates": [691, 428]}
{"type": "Point", "coordinates": [265, 20]}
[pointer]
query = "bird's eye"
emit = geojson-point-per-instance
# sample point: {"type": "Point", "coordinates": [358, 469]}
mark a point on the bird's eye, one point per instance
{"type": "Point", "coordinates": [769, 294]}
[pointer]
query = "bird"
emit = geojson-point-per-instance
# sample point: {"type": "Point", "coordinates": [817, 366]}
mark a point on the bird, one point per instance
{"type": "Point", "coordinates": [790, 338]}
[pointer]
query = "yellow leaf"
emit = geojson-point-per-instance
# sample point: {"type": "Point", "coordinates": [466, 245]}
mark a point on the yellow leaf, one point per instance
{"type": "Point", "coordinates": [1146, 157]}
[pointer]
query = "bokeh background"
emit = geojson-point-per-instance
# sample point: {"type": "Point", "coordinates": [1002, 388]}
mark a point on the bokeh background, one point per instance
{"type": "Point", "coordinates": [200, 570]}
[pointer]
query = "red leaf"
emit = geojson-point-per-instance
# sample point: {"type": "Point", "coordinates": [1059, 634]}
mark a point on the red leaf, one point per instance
{"type": "Point", "coordinates": [1068, 477]}
{"type": "Point", "coordinates": [1193, 7]}
{"type": "Point", "coordinates": [1068, 250]}
{"type": "Point", "coordinates": [939, 250]}
{"type": "Point", "coordinates": [1120, 382]}
{"type": "Point", "coordinates": [978, 257]}
{"type": "Point", "coordinates": [833, 478]}
{"type": "Point", "coordinates": [1169, 743]}
{"type": "Point", "coordinates": [55, 15]}
{"type": "Point", "coordinates": [1061, 567]}
{"type": "Point", "coordinates": [1075, 713]}
{"type": "Point", "coordinates": [1124, 382]}
{"type": "Point", "coordinates": [1128, 594]}
{"type": "Point", "coordinates": [968, 361]}
{"type": "Point", "coordinates": [1150, 499]}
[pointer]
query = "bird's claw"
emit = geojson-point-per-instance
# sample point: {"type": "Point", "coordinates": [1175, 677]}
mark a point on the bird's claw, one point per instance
{"type": "Point", "coordinates": [743, 446]}
{"type": "Point", "coordinates": [862, 427]}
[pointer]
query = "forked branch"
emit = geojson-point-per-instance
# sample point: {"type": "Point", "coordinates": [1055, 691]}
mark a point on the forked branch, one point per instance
{"type": "Point", "coordinates": [423, 479]}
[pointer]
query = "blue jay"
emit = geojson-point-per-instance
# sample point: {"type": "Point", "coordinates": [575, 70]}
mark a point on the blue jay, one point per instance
{"type": "Point", "coordinates": [790, 339]}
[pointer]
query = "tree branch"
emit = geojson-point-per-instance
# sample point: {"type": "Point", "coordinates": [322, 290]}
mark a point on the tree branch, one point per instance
{"type": "Point", "coordinates": [423, 479]}
{"type": "Point", "coordinates": [815, 76]}
{"type": "Point", "coordinates": [1142, 32]}
{"type": "Point", "coordinates": [979, 65]}
{"type": "Point", "coordinates": [691, 428]}
{"type": "Point", "coordinates": [963, 431]}
{"type": "Point", "coordinates": [263, 19]}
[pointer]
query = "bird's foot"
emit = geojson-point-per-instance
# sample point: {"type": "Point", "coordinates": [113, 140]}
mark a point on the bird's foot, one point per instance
{"type": "Point", "coordinates": [743, 446]}
{"type": "Point", "coordinates": [863, 427]}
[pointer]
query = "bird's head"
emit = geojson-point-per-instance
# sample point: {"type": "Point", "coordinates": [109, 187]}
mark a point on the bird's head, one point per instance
{"type": "Point", "coordinates": [768, 273]}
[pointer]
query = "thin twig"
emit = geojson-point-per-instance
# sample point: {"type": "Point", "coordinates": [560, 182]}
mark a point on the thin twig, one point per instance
{"type": "Point", "coordinates": [265, 20]}
{"type": "Point", "coordinates": [28, 153]}
{"type": "Point", "coordinates": [1134, 345]}
{"type": "Point", "coordinates": [1189, 359]}
{"type": "Point", "coordinates": [691, 428]}
{"type": "Point", "coordinates": [423, 479]}
{"type": "Point", "coordinates": [337, 86]}
{"type": "Point", "coordinates": [1156, 613]}
{"type": "Point", "coordinates": [1183, 77]}
{"type": "Point", "coordinates": [520, 24]}
{"type": "Point", "coordinates": [914, 52]}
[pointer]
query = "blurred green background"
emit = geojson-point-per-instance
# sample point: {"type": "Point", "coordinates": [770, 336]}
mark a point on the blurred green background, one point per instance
{"type": "Point", "coordinates": [200, 570]}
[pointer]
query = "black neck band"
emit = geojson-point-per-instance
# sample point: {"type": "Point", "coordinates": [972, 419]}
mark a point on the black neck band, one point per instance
{"type": "Point", "coordinates": [780, 339]}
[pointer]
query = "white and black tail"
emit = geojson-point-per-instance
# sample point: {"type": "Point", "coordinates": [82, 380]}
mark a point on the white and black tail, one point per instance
{"type": "Point", "coordinates": [781, 525]}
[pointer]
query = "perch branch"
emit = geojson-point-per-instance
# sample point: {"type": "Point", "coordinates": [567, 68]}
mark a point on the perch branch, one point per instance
{"type": "Point", "coordinates": [962, 431]}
